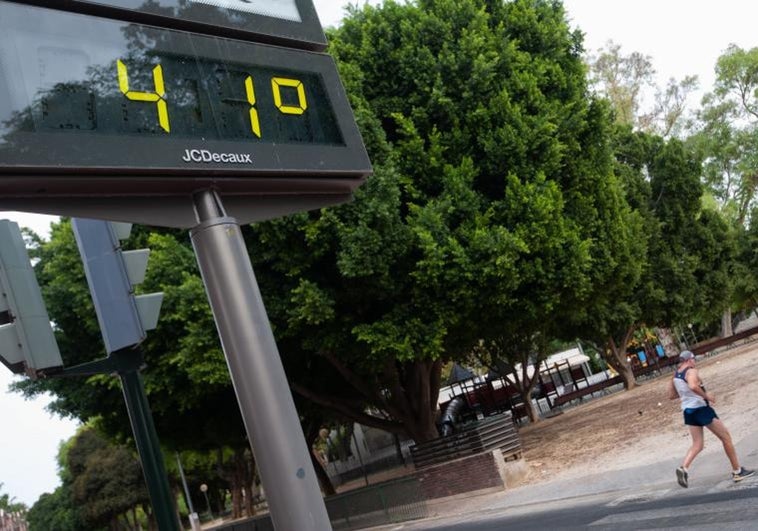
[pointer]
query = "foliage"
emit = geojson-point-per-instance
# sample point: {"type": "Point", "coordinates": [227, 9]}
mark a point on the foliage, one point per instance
{"type": "Point", "coordinates": [622, 79]}
{"type": "Point", "coordinates": [7, 503]}
{"type": "Point", "coordinates": [625, 79]}
{"type": "Point", "coordinates": [56, 511]}
{"type": "Point", "coordinates": [728, 133]}
{"type": "Point", "coordinates": [687, 268]}
{"type": "Point", "coordinates": [186, 378]}
{"type": "Point", "coordinates": [492, 210]}
{"type": "Point", "coordinates": [107, 480]}
{"type": "Point", "coordinates": [746, 281]}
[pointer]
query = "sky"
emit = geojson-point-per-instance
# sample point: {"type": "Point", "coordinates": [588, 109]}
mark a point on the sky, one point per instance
{"type": "Point", "coordinates": [683, 37]}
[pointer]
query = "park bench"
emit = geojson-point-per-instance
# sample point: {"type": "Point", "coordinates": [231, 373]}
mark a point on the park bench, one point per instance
{"type": "Point", "coordinates": [580, 393]}
{"type": "Point", "coordinates": [709, 346]}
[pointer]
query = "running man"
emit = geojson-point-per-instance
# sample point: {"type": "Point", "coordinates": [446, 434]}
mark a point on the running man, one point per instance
{"type": "Point", "coordinates": [698, 413]}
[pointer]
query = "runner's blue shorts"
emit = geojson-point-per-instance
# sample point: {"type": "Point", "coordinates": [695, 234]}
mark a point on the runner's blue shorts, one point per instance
{"type": "Point", "coordinates": [699, 416]}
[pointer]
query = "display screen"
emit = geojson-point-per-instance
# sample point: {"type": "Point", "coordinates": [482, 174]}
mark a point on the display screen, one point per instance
{"type": "Point", "coordinates": [284, 22]}
{"type": "Point", "coordinates": [82, 84]}
{"type": "Point", "coordinates": [81, 89]}
{"type": "Point", "coordinates": [284, 9]}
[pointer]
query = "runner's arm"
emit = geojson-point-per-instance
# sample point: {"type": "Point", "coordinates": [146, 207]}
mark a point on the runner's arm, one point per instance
{"type": "Point", "coordinates": [693, 380]}
{"type": "Point", "coordinates": [673, 395]}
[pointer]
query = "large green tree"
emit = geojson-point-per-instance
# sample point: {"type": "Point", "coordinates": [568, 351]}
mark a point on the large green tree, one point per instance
{"type": "Point", "coordinates": [746, 265]}
{"type": "Point", "coordinates": [728, 134]}
{"type": "Point", "coordinates": [685, 267]}
{"type": "Point", "coordinates": [727, 138]}
{"type": "Point", "coordinates": [491, 212]}
{"type": "Point", "coordinates": [56, 511]}
{"type": "Point", "coordinates": [106, 481]}
{"type": "Point", "coordinates": [626, 79]}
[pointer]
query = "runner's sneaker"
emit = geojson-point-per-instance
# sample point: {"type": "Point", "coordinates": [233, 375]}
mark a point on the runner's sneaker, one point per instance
{"type": "Point", "coordinates": [742, 474]}
{"type": "Point", "coordinates": [681, 476]}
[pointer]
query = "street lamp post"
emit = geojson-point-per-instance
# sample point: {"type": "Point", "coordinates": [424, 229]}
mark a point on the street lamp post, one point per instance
{"type": "Point", "coordinates": [204, 490]}
{"type": "Point", "coordinates": [692, 332]}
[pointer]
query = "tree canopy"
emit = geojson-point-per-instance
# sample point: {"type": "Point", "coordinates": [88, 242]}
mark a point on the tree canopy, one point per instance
{"type": "Point", "coordinates": [7, 502]}
{"type": "Point", "coordinates": [493, 209]}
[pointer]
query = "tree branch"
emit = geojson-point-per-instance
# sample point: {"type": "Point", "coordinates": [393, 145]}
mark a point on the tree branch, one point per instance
{"type": "Point", "coordinates": [435, 381]}
{"type": "Point", "coordinates": [356, 381]}
{"type": "Point", "coordinates": [339, 406]}
{"type": "Point", "coordinates": [422, 374]}
{"type": "Point", "coordinates": [397, 404]}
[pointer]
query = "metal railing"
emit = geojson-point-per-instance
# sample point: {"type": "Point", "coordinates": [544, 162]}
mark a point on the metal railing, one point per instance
{"type": "Point", "coordinates": [393, 501]}
{"type": "Point", "coordinates": [483, 436]}
{"type": "Point", "coordinates": [398, 500]}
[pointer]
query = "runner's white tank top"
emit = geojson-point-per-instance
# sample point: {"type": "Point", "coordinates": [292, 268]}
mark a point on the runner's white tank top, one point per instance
{"type": "Point", "coordinates": [690, 400]}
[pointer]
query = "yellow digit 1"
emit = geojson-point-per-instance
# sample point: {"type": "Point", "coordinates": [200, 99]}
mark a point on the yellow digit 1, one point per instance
{"type": "Point", "coordinates": [158, 96]}
{"type": "Point", "coordinates": [255, 123]}
{"type": "Point", "coordinates": [276, 86]}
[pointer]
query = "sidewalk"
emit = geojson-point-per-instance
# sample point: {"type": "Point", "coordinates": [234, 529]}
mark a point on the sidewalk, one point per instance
{"type": "Point", "coordinates": [710, 468]}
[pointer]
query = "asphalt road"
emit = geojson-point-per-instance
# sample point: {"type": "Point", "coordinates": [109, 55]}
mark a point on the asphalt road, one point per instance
{"type": "Point", "coordinates": [726, 506]}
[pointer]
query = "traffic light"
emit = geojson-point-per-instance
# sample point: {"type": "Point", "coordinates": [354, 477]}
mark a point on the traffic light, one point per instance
{"type": "Point", "coordinates": [27, 341]}
{"type": "Point", "coordinates": [112, 274]}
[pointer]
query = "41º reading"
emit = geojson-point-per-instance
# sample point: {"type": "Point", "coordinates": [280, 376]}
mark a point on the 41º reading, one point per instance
{"type": "Point", "coordinates": [179, 96]}
{"type": "Point", "coordinates": [159, 96]}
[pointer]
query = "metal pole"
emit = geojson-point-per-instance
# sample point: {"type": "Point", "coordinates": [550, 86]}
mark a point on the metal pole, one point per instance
{"type": "Point", "coordinates": [360, 458]}
{"type": "Point", "coordinates": [268, 411]}
{"type": "Point", "coordinates": [149, 450]}
{"type": "Point", "coordinates": [184, 484]}
{"type": "Point", "coordinates": [194, 519]}
{"type": "Point", "coordinates": [204, 490]}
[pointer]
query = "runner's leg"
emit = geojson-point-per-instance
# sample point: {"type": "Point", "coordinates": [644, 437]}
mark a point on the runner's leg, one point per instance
{"type": "Point", "coordinates": [697, 445]}
{"type": "Point", "coordinates": [719, 430]}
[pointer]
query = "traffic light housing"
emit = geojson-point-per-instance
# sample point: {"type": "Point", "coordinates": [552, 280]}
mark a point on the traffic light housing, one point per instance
{"type": "Point", "coordinates": [27, 341]}
{"type": "Point", "coordinates": [112, 274]}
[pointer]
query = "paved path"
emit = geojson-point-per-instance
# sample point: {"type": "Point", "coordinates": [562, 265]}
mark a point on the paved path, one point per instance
{"type": "Point", "coordinates": [716, 501]}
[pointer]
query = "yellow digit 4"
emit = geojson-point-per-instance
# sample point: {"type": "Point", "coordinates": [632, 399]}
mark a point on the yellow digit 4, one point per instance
{"type": "Point", "coordinates": [158, 97]}
{"type": "Point", "coordinates": [276, 86]}
{"type": "Point", "coordinates": [255, 123]}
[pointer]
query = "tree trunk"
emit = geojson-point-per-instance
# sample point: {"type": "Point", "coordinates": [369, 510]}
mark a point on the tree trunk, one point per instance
{"type": "Point", "coordinates": [218, 499]}
{"type": "Point", "coordinates": [414, 391]}
{"type": "Point", "coordinates": [248, 498]}
{"type": "Point", "coordinates": [398, 449]}
{"type": "Point", "coordinates": [525, 385]}
{"type": "Point", "coordinates": [616, 358]}
{"type": "Point", "coordinates": [236, 491]}
{"type": "Point", "coordinates": [726, 323]}
{"type": "Point", "coordinates": [253, 494]}
{"type": "Point", "coordinates": [327, 487]}
{"type": "Point", "coordinates": [630, 382]}
{"type": "Point", "coordinates": [234, 474]}
{"type": "Point", "coordinates": [529, 408]}
{"type": "Point", "coordinates": [343, 448]}
{"type": "Point", "coordinates": [247, 466]}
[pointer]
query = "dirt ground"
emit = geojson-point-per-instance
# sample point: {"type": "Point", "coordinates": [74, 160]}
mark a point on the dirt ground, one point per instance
{"type": "Point", "coordinates": [628, 428]}
{"type": "Point", "coordinates": [641, 426]}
